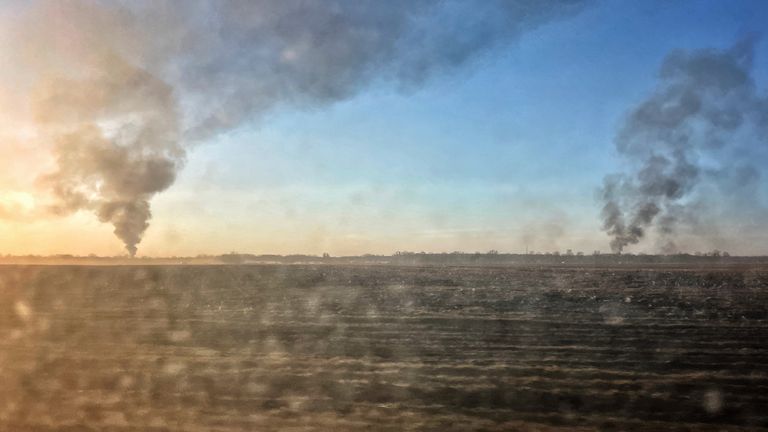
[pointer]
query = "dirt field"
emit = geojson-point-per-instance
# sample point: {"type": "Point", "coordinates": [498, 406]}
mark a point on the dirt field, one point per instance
{"type": "Point", "coordinates": [294, 348]}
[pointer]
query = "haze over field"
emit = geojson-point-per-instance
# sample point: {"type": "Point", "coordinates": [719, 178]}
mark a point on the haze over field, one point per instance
{"type": "Point", "coordinates": [350, 127]}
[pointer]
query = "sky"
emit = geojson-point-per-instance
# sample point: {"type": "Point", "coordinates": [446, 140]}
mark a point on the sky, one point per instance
{"type": "Point", "coordinates": [447, 128]}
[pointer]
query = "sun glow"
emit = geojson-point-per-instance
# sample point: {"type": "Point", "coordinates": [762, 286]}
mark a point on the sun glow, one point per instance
{"type": "Point", "coordinates": [22, 201]}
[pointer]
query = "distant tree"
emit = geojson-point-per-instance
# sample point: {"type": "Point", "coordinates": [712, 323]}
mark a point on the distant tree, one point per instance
{"type": "Point", "coordinates": [493, 252]}
{"type": "Point", "coordinates": [726, 254]}
{"type": "Point", "coordinates": [569, 252]}
{"type": "Point", "coordinates": [326, 255]}
{"type": "Point", "coordinates": [232, 258]}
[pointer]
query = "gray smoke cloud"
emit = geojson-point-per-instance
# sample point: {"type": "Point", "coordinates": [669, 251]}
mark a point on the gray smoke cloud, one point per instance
{"type": "Point", "coordinates": [125, 87]}
{"type": "Point", "coordinates": [695, 130]}
{"type": "Point", "coordinates": [270, 53]}
{"type": "Point", "coordinates": [116, 144]}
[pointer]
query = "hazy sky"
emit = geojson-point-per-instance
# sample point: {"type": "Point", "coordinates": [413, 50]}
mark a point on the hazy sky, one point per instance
{"type": "Point", "coordinates": [502, 146]}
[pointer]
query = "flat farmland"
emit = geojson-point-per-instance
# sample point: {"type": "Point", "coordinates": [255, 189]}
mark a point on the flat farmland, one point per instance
{"type": "Point", "coordinates": [382, 348]}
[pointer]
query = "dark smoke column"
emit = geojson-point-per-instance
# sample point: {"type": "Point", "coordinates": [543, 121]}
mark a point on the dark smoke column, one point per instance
{"type": "Point", "coordinates": [704, 105]}
{"type": "Point", "coordinates": [115, 140]}
{"type": "Point", "coordinates": [122, 87]}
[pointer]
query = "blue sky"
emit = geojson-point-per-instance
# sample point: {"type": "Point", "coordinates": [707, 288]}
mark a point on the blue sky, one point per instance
{"type": "Point", "coordinates": [520, 138]}
{"type": "Point", "coordinates": [505, 152]}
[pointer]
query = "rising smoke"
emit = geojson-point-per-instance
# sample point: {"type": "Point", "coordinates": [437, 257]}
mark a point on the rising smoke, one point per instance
{"type": "Point", "coordinates": [121, 89]}
{"type": "Point", "coordinates": [116, 145]}
{"type": "Point", "coordinates": [682, 139]}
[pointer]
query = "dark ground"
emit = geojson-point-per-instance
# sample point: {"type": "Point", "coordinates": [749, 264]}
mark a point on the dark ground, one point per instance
{"type": "Point", "coordinates": [258, 348]}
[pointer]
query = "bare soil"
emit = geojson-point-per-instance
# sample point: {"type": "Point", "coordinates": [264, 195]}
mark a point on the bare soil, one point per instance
{"type": "Point", "coordinates": [382, 348]}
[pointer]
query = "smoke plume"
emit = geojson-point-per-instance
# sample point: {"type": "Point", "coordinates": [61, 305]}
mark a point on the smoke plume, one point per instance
{"type": "Point", "coordinates": [688, 140]}
{"type": "Point", "coordinates": [121, 89]}
{"type": "Point", "coordinates": [116, 144]}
